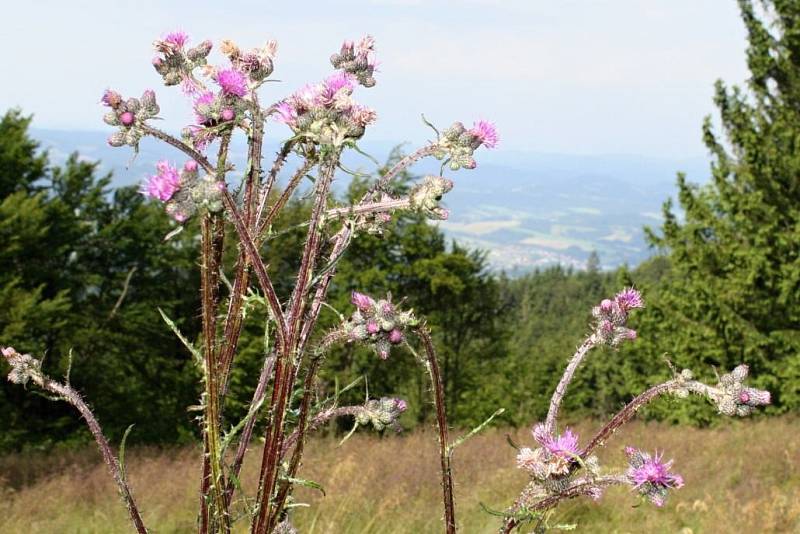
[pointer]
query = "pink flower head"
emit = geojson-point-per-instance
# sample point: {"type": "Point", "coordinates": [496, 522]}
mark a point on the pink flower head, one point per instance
{"type": "Point", "coordinates": [111, 98]}
{"type": "Point", "coordinates": [372, 327]}
{"type": "Point", "coordinates": [228, 114]}
{"type": "Point", "coordinates": [606, 306]}
{"type": "Point", "coordinates": [347, 46]}
{"type": "Point", "coordinates": [190, 166]}
{"type": "Point", "coordinates": [629, 298]}
{"type": "Point", "coordinates": [395, 336]}
{"type": "Point", "coordinates": [335, 82]}
{"type": "Point", "coordinates": [205, 99]}
{"type": "Point", "coordinates": [486, 133]}
{"type": "Point", "coordinates": [362, 115]}
{"type": "Point", "coordinates": [401, 405]}
{"type": "Point", "coordinates": [163, 184]}
{"type": "Point", "coordinates": [232, 82]}
{"type": "Point", "coordinates": [286, 112]}
{"type": "Point", "coordinates": [564, 446]}
{"type": "Point", "coordinates": [361, 301]}
{"type": "Point", "coordinates": [127, 118]}
{"type": "Point", "coordinates": [651, 476]}
{"type": "Point", "coordinates": [177, 39]}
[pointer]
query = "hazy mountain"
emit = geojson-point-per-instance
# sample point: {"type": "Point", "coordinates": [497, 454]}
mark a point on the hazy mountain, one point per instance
{"type": "Point", "coordinates": [527, 209]}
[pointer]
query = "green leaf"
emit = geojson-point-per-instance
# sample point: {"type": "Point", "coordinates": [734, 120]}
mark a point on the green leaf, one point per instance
{"type": "Point", "coordinates": [122, 451]}
{"type": "Point", "coordinates": [307, 483]}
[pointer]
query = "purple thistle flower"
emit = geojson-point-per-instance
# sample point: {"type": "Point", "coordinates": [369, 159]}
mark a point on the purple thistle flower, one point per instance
{"type": "Point", "coordinates": [232, 82]}
{"type": "Point", "coordinates": [163, 184]}
{"type": "Point", "coordinates": [361, 301]}
{"type": "Point", "coordinates": [228, 114]}
{"type": "Point", "coordinates": [485, 132]}
{"type": "Point", "coordinates": [401, 405]}
{"type": "Point", "coordinates": [629, 298]}
{"type": "Point", "coordinates": [372, 327]}
{"type": "Point", "coordinates": [190, 166]}
{"type": "Point", "coordinates": [651, 476]}
{"type": "Point", "coordinates": [335, 82]}
{"type": "Point", "coordinates": [564, 446]}
{"type": "Point", "coordinates": [177, 39]}
{"type": "Point", "coordinates": [205, 99]}
{"type": "Point", "coordinates": [362, 115]}
{"type": "Point", "coordinates": [286, 113]}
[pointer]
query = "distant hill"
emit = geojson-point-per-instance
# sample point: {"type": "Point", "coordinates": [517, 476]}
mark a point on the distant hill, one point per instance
{"type": "Point", "coordinates": [527, 209]}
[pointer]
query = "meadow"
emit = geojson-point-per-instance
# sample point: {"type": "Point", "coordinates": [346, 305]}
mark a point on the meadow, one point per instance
{"type": "Point", "coordinates": [743, 476]}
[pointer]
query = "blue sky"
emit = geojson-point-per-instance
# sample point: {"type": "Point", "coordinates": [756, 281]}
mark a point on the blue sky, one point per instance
{"type": "Point", "coordinates": [566, 76]}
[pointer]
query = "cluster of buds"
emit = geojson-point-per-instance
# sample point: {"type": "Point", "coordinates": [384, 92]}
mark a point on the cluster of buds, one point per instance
{"type": "Point", "coordinates": [381, 413]}
{"type": "Point", "coordinates": [458, 143]}
{"type": "Point", "coordinates": [358, 60]}
{"type": "Point", "coordinates": [426, 195]}
{"type": "Point", "coordinates": [378, 323]}
{"type": "Point", "coordinates": [212, 110]}
{"type": "Point", "coordinates": [611, 317]}
{"type": "Point", "coordinates": [651, 476]}
{"type": "Point", "coordinates": [257, 64]}
{"type": "Point", "coordinates": [129, 115]}
{"type": "Point", "coordinates": [731, 396]}
{"type": "Point", "coordinates": [184, 191]}
{"type": "Point", "coordinates": [553, 461]}
{"type": "Point", "coordinates": [175, 63]}
{"type": "Point", "coordinates": [325, 112]}
{"type": "Point", "coordinates": [23, 366]}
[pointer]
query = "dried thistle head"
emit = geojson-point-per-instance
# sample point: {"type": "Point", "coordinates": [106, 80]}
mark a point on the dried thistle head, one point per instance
{"type": "Point", "coordinates": [24, 367]}
{"type": "Point", "coordinates": [425, 196]}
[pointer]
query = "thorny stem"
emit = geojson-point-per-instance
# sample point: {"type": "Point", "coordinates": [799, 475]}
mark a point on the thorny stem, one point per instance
{"type": "Point", "coordinates": [233, 318]}
{"type": "Point", "coordinates": [68, 394]}
{"type": "Point", "coordinates": [258, 266]}
{"type": "Point", "coordinates": [301, 429]}
{"type": "Point", "coordinates": [285, 367]}
{"type": "Point", "coordinates": [209, 301]}
{"type": "Point", "coordinates": [369, 207]}
{"type": "Point", "coordinates": [212, 241]}
{"type": "Point", "coordinates": [287, 193]}
{"type": "Point", "coordinates": [277, 165]}
{"type": "Point", "coordinates": [566, 378]}
{"type": "Point", "coordinates": [247, 431]}
{"type": "Point", "coordinates": [579, 487]}
{"type": "Point", "coordinates": [317, 421]}
{"type": "Point", "coordinates": [441, 422]}
{"type": "Point", "coordinates": [180, 145]}
{"type": "Point", "coordinates": [400, 166]}
{"type": "Point", "coordinates": [630, 409]}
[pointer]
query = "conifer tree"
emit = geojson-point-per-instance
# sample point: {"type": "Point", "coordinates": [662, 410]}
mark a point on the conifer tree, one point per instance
{"type": "Point", "coordinates": [734, 291]}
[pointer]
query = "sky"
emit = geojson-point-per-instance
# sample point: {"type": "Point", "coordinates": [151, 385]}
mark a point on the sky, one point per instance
{"type": "Point", "coordinates": [566, 76]}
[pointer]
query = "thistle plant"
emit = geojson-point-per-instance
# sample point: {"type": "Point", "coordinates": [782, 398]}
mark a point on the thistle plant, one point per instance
{"type": "Point", "coordinates": [561, 469]}
{"type": "Point", "coordinates": [317, 123]}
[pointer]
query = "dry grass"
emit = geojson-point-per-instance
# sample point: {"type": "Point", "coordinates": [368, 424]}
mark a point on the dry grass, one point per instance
{"type": "Point", "coordinates": [741, 478]}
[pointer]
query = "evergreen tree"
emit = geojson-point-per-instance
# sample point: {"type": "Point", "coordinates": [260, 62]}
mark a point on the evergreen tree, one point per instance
{"type": "Point", "coordinates": [733, 294]}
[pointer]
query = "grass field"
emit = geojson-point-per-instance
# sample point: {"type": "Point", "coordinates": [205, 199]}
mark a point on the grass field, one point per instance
{"type": "Point", "coordinates": [744, 477]}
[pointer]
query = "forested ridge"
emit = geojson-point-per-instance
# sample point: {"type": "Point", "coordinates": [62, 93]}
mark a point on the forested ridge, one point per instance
{"type": "Point", "coordinates": [85, 269]}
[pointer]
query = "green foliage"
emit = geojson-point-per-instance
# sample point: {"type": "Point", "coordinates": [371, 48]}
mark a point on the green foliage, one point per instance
{"type": "Point", "coordinates": [733, 294]}
{"type": "Point", "coordinates": [83, 271]}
